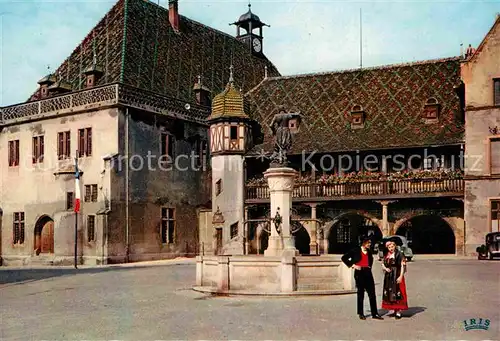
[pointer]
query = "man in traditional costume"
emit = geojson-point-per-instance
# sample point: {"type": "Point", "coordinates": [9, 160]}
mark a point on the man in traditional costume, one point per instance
{"type": "Point", "coordinates": [361, 260]}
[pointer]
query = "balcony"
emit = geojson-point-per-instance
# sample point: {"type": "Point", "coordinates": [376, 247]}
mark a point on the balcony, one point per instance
{"type": "Point", "coordinates": [367, 186]}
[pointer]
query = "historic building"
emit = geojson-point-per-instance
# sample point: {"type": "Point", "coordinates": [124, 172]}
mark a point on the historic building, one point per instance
{"type": "Point", "coordinates": [149, 95]}
{"type": "Point", "coordinates": [130, 103]}
{"type": "Point", "coordinates": [381, 151]}
{"type": "Point", "coordinates": [481, 76]}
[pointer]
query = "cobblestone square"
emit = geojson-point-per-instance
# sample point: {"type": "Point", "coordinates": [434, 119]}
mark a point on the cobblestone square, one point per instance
{"type": "Point", "coordinates": [155, 302]}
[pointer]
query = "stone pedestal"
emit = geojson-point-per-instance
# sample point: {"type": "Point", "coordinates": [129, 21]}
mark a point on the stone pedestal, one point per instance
{"type": "Point", "coordinates": [281, 181]}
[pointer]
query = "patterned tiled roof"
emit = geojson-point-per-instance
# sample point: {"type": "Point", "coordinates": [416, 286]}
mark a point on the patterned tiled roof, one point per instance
{"type": "Point", "coordinates": [136, 45]}
{"type": "Point", "coordinates": [392, 98]}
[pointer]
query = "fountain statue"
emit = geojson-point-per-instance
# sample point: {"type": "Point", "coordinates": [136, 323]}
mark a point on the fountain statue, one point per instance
{"type": "Point", "coordinates": [282, 271]}
{"type": "Point", "coordinates": [280, 179]}
{"type": "Point", "coordinates": [282, 132]}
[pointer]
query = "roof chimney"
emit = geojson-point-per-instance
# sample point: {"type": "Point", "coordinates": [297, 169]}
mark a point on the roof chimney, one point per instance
{"type": "Point", "coordinates": [173, 14]}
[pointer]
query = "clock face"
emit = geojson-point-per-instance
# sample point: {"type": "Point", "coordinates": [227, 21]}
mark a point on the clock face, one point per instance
{"type": "Point", "coordinates": [257, 46]}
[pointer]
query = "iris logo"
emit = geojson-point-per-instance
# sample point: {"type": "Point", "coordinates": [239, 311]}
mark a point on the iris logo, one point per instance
{"type": "Point", "coordinates": [476, 323]}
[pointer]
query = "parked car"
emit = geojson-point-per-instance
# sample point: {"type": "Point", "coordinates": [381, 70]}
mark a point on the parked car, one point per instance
{"type": "Point", "coordinates": [491, 247]}
{"type": "Point", "coordinates": [402, 244]}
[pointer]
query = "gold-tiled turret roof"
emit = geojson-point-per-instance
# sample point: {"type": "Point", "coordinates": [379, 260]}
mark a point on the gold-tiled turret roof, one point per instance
{"type": "Point", "coordinates": [229, 103]}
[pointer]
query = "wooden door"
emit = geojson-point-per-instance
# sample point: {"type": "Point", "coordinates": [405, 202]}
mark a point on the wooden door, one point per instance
{"type": "Point", "coordinates": [219, 241]}
{"type": "Point", "coordinates": [47, 241]}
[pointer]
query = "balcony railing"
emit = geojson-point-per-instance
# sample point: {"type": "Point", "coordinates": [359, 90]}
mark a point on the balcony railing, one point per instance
{"type": "Point", "coordinates": [400, 187]}
{"type": "Point", "coordinates": [101, 97]}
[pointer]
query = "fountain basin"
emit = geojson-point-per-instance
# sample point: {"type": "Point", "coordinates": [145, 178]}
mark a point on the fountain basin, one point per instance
{"type": "Point", "coordinates": [273, 275]}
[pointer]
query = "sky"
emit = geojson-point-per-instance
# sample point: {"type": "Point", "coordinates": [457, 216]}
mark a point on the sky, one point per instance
{"type": "Point", "coordinates": [304, 37]}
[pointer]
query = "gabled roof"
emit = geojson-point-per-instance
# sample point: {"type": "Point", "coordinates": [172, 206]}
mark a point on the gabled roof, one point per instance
{"type": "Point", "coordinates": [486, 38]}
{"type": "Point", "coordinates": [392, 97]}
{"type": "Point", "coordinates": [136, 45]}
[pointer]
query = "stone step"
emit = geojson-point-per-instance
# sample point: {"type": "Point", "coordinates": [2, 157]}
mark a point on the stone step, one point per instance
{"type": "Point", "coordinates": [319, 286]}
{"type": "Point", "coordinates": [42, 260]}
{"type": "Point", "coordinates": [318, 283]}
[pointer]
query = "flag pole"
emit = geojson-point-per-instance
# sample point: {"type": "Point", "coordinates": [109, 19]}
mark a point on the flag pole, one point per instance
{"type": "Point", "coordinates": [77, 191]}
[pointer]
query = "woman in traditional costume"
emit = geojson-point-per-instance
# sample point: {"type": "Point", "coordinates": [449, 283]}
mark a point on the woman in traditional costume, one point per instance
{"type": "Point", "coordinates": [394, 294]}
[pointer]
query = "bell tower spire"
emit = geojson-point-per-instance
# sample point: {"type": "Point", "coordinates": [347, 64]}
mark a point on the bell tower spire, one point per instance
{"type": "Point", "coordinates": [253, 39]}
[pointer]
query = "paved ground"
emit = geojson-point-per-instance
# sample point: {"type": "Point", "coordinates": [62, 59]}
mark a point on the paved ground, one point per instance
{"type": "Point", "coordinates": [154, 301]}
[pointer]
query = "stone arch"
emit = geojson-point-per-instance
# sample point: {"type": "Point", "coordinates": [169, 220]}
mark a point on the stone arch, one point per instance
{"type": "Point", "coordinates": [261, 238]}
{"type": "Point", "coordinates": [329, 231]}
{"type": "Point", "coordinates": [44, 235]}
{"type": "Point", "coordinates": [302, 238]}
{"type": "Point", "coordinates": [456, 226]}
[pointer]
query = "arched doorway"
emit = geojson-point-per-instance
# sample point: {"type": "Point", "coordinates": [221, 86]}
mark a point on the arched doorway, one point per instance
{"type": "Point", "coordinates": [263, 238]}
{"type": "Point", "coordinates": [428, 234]}
{"type": "Point", "coordinates": [44, 235]}
{"type": "Point", "coordinates": [302, 238]}
{"type": "Point", "coordinates": [346, 231]}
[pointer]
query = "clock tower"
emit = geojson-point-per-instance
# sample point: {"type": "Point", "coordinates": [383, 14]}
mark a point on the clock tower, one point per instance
{"type": "Point", "coordinates": [251, 37]}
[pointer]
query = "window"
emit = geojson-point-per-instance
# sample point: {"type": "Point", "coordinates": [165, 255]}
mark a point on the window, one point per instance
{"type": "Point", "coordinates": [233, 133]}
{"type": "Point", "coordinates": [218, 187]}
{"type": "Point", "coordinates": [70, 200]}
{"type": "Point", "coordinates": [14, 153]}
{"type": "Point", "coordinates": [167, 145]}
{"type": "Point", "coordinates": [90, 193]}
{"type": "Point", "coordinates": [203, 150]}
{"type": "Point", "coordinates": [496, 91]}
{"type": "Point", "coordinates": [84, 142]}
{"type": "Point", "coordinates": [234, 230]}
{"type": "Point", "coordinates": [357, 117]}
{"type": "Point", "coordinates": [200, 150]}
{"type": "Point", "coordinates": [167, 225]}
{"type": "Point", "coordinates": [18, 228]}
{"type": "Point", "coordinates": [63, 145]}
{"type": "Point", "coordinates": [495, 156]}
{"type": "Point", "coordinates": [38, 149]}
{"type": "Point", "coordinates": [90, 228]}
{"type": "Point", "coordinates": [431, 110]}
{"type": "Point", "coordinates": [495, 215]}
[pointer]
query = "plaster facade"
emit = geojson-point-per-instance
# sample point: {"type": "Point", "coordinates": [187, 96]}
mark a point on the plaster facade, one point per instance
{"type": "Point", "coordinates": [482, 117]}
{"type": "Point", "coordinates": [37, 190]}
{"type": "Point", "coordinates": [228, 177]}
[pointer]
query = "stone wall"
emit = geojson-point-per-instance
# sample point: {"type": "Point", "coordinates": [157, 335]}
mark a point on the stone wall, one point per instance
{"type": "Point", "coordinates": [154, 186]}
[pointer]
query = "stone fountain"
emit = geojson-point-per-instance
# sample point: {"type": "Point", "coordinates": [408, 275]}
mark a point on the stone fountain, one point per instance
{"type": "Point", "coordinates": [281, 270]}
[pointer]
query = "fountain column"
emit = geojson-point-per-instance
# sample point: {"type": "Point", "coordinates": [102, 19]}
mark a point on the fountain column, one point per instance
{"type": "Point", "coordinates": [281, 182]}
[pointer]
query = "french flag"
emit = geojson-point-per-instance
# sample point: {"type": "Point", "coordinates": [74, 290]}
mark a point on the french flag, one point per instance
{"type": "Point", "coordinates": [77, 188]}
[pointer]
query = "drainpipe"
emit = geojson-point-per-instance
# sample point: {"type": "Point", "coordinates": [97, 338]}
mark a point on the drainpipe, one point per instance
{"type": "Point", "coordinates": [127, 194]}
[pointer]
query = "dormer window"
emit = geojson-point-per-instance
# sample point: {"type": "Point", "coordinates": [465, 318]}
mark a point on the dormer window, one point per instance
{"type": "Point", "coordinates": [358, 116]}
{"type": "Point", "coordinates": [431, 110]}
{"type": "Point", "coordinates": [293, 125]}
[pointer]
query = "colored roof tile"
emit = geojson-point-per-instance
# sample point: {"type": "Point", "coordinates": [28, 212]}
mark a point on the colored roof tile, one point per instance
{"type": "Point", "coordinates": [392, 97]}
{"type": "Point", "coordinates": [136, 45]}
